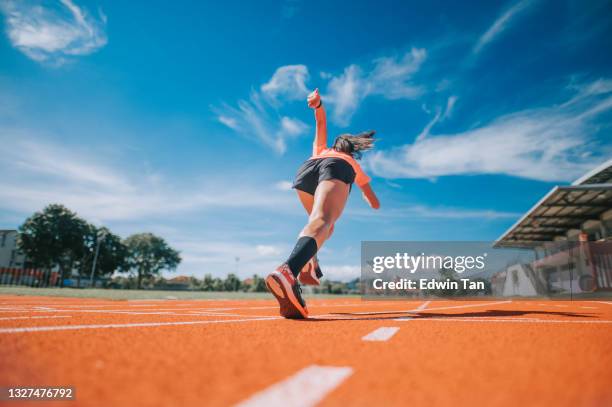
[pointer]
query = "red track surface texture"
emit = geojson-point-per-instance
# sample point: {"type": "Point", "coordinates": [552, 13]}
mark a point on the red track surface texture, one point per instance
{"type": "Point", "coordinates": [351, 353]}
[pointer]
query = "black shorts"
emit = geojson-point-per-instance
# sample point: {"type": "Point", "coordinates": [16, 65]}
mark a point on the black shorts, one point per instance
{"type": "Point", "coordinates": [316, 170]}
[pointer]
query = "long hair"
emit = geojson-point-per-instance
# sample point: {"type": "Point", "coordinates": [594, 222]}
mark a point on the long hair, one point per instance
{"type": "Point", "coordinates": [355, 145]}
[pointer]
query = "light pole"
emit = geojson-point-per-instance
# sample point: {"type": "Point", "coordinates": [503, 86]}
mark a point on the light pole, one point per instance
{"type": "Point", "coordinates": [100, 236]}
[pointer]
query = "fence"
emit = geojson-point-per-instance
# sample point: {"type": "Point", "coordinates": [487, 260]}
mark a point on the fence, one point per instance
{"type": "Point", "coordinates": [29, 277]}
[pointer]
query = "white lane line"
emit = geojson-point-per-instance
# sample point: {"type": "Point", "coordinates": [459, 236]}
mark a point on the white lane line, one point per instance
{"type": "Point", "coordinates": [419, 308]}
{"type": "Point", "coordinates": [306, 388]}
{"type": "Point", "coordinates": [470, 305]}
{"type": "Point", "coordinates": [432, 309]}
{"type": "Point", "coordinates": [588, 307]}
{"type": "Point", "coordinates": [513, 320]}
{"type": "Point", "coordinates": [603, 302]}
{"type": "Point", "coordinates": [129, 325]}
{"type": "Point", "coordinates": [422, 306]}
{"type": "Point", "coordinates": [381, 334]}
{"type": "Point", "coordinates": [37, 317]}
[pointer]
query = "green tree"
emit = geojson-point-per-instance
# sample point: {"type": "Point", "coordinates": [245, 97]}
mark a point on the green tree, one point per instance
{"type": "Point", "coordinates": [258, 285]}
{"type": "Point", "coordinates": [54, 237]}
{"type": "Point", "coordinates": [218, 284]}
{"type": "Point", "coordinates": [208, 282]}
{"type": "Point", "coordinates": [148, 255]}
{"type": "Point", "coordinates": [112, 253]}
{"type": "Point", "coordinates": [232, 283]}
{"type": "Point", "coordinates": [194, 283]}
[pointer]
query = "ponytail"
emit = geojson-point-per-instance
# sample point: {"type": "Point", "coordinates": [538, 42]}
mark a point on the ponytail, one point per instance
{"type": "Point", "coordinates": [354, 145]}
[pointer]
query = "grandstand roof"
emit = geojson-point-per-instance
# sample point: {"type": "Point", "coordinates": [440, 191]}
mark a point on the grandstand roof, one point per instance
{"type": "Point", "coordinates": [599, 175]}
{"type": "Point", "coordinates": [562, 209]}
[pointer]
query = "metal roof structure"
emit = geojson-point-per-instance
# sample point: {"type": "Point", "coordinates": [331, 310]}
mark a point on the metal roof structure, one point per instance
{"type": "Point", "coordinates": [599, 175]}
{"type": "Point", "coordinates": [562, 209]}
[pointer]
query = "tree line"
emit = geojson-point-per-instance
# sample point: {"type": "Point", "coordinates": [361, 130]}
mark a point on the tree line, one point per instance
{"type": "Point", "coordinates": [57, 239]}
{"type": "Point", "coordinates": [230, 283]}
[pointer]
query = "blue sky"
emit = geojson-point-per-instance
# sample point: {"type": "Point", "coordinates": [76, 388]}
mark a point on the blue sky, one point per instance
{"type": "Point", "coordinates": [189, 119]}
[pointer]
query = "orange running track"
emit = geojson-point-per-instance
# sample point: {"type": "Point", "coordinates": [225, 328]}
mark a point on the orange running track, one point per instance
{"type": "Point", "coordinates": [350, 353]}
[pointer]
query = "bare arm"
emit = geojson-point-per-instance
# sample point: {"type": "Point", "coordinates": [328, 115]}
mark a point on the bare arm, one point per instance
{"type": "Point", "coordinates": [369, 196]}
{"type": "Point", "coordinates": [320, 141]}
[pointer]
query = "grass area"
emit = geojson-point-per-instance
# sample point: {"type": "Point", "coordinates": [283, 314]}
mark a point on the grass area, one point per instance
{"type": "Point", "coordinates": [115, 294]}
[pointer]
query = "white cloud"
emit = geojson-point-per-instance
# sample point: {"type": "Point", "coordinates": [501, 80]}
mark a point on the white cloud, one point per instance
{"type": "Point", "coordinates": [36, 174]}
{"type": "Point", "coordinates": [501, 24]}
{"type": "Point", "coordinates": [548, 144]}
{"type": "Point", "coordinates": [268, 250]}
{"type": "Point", "coordinates": [229, 122]}
{"type": "Point", "coordinates": [52, 34]}
{"type": "Point", "coordinates": [391, 75]}
{"type": "Point", "coordinates": [390, 78]}
{"type": "Point", "coordinates": [450, 105]}
{"type": "Point", "coordinates": [257, 118]}
{"type": "Point", "coordinates": [218, 257]}
{"type": "Point", "coordinates": [284, 185]}
{"type": "Point", "coordinates": [438, 117]}
{"type": "Point", "coordinates": [345, 93]}
{"type": "Point", "coordinates": [341, 272]}
{"type": "Point", "coordinates": [425, 132]}
{"type": "Point", "coordinates": [288, 82]}
{"type": "Point", "coordinates": [431, 212]}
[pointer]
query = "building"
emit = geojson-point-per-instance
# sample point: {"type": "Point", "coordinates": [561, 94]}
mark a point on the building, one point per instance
{"type": "Point", "coordinates": [570, 232]}
{"type": "Point", "coordinates": [10, 256]}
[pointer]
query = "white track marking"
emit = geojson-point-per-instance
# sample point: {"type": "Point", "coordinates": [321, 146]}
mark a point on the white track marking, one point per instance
{"type": "Point", "coordinates": [306, 388]}
{"type": "Point", "coordinates": [36, 317]}
{"type": "Point", "coordinates": [470, 305]}
{"type": "Point", "coordinates": [419, 308]}
{"type": "Point", "coordinates": [603, 302]}
{"type": "Point", "coordinates": [430, 309]}
{"type": "Point", "coordinates": [512, 320]}
{"type": "Point", "coordinates": [128, 325]}
{"type": "Point", "coordinates": [344, 316]}
{"type": "Point", "coordinates": [588, 307]}
{"type": "Point", "coordinates": [381, 334]}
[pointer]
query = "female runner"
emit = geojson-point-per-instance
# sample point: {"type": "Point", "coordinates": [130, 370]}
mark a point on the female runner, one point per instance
{"type": "Point", "coordinates": [323, 184]}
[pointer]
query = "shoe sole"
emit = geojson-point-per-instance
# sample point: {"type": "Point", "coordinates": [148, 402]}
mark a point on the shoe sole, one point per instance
{"type": "Point", "coordinates": [290, 307]}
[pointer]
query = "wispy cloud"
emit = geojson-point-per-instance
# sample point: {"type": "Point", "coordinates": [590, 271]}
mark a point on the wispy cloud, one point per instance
{"type": "Point", "coordinates": [37, 174]}
{"type": "Point", "coordinates": [389, 77]}
{"type": "Point", "coordinates": [219, 257]}
{"type": "Point", "coordinates": [439, 116]}
{"type": "Point", "coordinates": [431, 212]}
{"type": "Point", "coordinates": [549, 144]}
{"type": "Point", "coordinates": [258, 118]}
{"type": "Point", "coordinates": [287, 83]}
{"type": "Point", "coordinates": [501, 24]}
{"type": "Point", "coordinates": [53, 33]}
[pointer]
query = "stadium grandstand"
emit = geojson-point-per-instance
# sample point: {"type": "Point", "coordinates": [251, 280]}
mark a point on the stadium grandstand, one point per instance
{"type": "Point", "coordinates": [570, 233]}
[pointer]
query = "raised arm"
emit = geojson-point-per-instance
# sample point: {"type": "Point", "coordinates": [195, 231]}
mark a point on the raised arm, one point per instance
{"type": "Point", "coordinates": [370, 196]}
{"type": "Point", "coordinates": [320, 141]}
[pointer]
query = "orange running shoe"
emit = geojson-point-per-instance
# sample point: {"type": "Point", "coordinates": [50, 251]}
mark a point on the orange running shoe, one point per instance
{"type": "Point", "coordinates": [311, 273]}
{"type": "Point", "coordinates": [283, 285]}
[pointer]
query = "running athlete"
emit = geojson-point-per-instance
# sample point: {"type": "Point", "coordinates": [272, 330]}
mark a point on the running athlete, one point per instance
{"type": "Point", "coordinates": [323, 184]}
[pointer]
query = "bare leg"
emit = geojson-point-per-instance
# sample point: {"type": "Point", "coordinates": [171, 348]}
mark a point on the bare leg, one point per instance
{"type": "Point", "coordinates": [329, 201]}
{"type": "Point", "coordinates": [307, 201]}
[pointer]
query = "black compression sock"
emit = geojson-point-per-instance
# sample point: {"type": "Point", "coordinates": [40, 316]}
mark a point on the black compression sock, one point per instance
{"type": "Point", "coordinates": [304, 249]}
